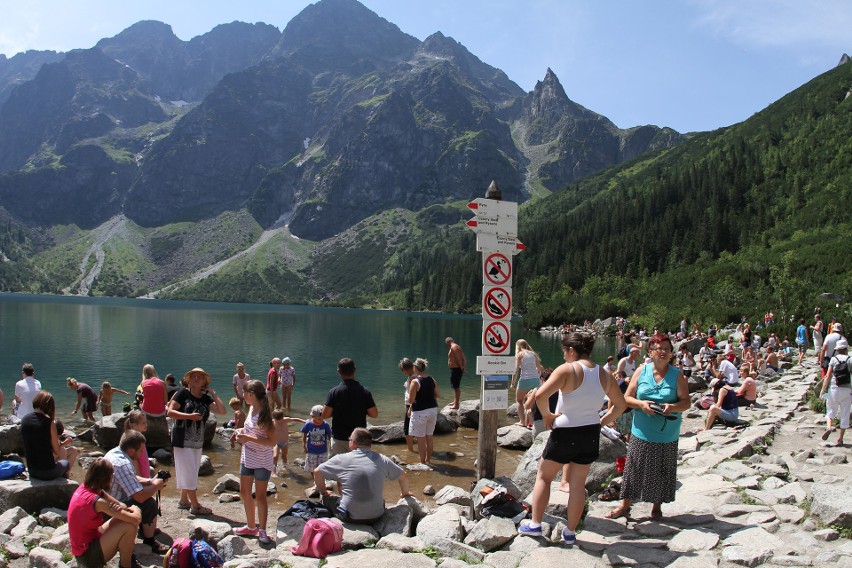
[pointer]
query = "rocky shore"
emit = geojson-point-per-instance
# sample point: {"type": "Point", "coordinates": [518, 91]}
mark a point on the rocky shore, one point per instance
{"type": "Point", "coordinates": [772, 494]}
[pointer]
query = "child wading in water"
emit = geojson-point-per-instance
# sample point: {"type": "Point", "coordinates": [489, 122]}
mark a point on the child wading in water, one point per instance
{"type": "Point", "coordinates": [287, 373]}
{"type": "Point", "coordinates": [239, 419]}
{"type": "Point", "coordinates": [87, 400]}
{"type": "Point", "coordinates": [315, 436]}
{"type": "Point", "coordinates": [258, 439]}
{"type": "Point", "coordinates": [282, 438]}
{"type": "Point", "coordinates": [105, 397]}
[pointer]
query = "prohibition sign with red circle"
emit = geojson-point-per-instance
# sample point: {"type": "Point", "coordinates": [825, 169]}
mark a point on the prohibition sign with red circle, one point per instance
{"type": "Point", "coordinates": [495, 338]}
{"type": "Point", "coordinates": [497, 269]}
{"type": "Point", "coordinates": [497, 303]}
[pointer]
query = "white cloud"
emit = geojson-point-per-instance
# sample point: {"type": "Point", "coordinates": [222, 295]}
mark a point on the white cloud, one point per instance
{"type": "Point", "coordinates": [778, 23]}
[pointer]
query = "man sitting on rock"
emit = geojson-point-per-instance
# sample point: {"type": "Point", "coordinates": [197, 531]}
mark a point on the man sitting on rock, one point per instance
{"type": "Point", "coordinates": [361, 475]}
{"type": "Point", "coordinates": [131, 489]}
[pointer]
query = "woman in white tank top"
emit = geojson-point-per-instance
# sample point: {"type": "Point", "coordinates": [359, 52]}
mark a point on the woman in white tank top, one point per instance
{"type": "Point", "coordinates": [575, 437]}
{"type": "Point", "coordinates": [528, 369]}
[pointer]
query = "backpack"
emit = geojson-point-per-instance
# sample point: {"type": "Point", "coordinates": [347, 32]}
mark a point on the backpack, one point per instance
{"type": "Point", "coordinates": [10, 469]}
{"type": "Point", "coordinates": [204, 555]}
{"type": "Point", "coordinates": [320, 537]}
{"type": "Point", "coordinates": [307, 509]}
{"type": "Point", "coordinates": [841, 373]}
{"type": "Point", "coordinates": [499, 503]}
{"type": "Point", "coordinates": [179, 555]}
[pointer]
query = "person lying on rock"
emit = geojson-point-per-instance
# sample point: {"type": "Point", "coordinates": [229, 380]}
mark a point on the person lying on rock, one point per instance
{"type": "Point", "coordinates": [361, 475]}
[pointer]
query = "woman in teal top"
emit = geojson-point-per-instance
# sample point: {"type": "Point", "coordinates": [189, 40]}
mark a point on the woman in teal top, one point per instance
{"type": "Point", "coordinates": [650, 474]}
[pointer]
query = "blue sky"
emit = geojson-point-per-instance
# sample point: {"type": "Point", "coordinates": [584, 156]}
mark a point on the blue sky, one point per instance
{"type": "Point", "coordinates": [688, 64]}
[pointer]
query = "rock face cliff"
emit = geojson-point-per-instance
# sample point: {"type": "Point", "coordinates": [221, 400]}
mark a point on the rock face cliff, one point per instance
{"type": "Point", "coordinates": [339, 117]}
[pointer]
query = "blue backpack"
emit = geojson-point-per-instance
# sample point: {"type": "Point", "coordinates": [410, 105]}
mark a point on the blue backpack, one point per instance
{"type": "Point", "coordinates": [205, 556]}
{"type": "Point", "coordinates": [10, 469]}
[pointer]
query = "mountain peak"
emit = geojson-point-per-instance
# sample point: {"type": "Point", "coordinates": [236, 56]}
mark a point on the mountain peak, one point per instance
{"type": "Point", "coordinates": [338, 33]}
{"type": "Point", "coordinates": [844, 59]}
{"type": "Point", "coordinates": [143, 31]}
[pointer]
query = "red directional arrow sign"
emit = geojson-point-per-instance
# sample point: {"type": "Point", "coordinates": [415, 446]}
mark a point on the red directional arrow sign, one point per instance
{"type": "Point", "coordinates": [497, 269]}
{"type": "Point", "coordinates": [496, 339]}
{"type": "Point", "coordinates": [497, 303]}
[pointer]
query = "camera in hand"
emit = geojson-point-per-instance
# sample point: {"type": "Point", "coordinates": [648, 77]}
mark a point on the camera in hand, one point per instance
{"type": "Point", "coordinates": [163, 474]}
{"type": "Point", "coordinates": [656, 408]}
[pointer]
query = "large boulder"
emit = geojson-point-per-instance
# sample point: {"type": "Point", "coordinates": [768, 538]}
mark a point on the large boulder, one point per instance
{"type": "Point", "coordinates": [466, 416]}
{"type": "Point", "coordinates": [514, 436]}
{"type": "Point", "coordinates": [388, 434]}
{"type": "Point", "coordinates": [491, 533]}
{"type": "Point", "coordinates": [11, 441]}
{"type": "Point", "coordinates": [108, 430]}
{"type": "Point", "coordinates": [832, 504]}
{"type": "Point", "coordinates": [601, 470]}
{"type": "Point", "coordinates": [33, 495]}
{"type": "Point", "coordinates": [444, 523]}
{"type": "Point", "coordinates": [444, 425]}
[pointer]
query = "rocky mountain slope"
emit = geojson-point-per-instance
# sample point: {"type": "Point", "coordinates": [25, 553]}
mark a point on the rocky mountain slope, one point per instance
{"type": "Point", "coordinates": [333, 121]}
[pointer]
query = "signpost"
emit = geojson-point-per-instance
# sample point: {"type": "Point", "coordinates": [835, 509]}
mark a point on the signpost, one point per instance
{"type": "Point", "coordinates": [496, 227]}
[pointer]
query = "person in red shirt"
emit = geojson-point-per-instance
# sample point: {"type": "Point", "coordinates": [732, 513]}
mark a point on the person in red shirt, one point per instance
{"type": "Point", "coordinates": [272, 383]}
{"type": "Point", "coordinates": [93, 542]}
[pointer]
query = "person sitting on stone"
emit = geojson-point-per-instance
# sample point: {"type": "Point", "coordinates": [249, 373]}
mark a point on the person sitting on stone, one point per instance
{"type": "Point", "coordinates": [772, 359]}
{"type": "Point", "coordinates": [725, 408]}
{"type": "Point", "coordinates": [131, 489]}
{"type": "Point", "coordinates": [361, 475]}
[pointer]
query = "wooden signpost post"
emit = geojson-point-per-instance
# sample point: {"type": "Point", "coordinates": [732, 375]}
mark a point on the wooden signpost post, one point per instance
{"type": "Point", "coordinates": [496, 227]}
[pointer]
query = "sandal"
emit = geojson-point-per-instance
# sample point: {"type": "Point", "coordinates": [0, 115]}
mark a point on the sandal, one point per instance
{"type": "Point", "coordinates": [827, 433]}
{"type": "Point", "coordinates": [201, 510]}
{"type": "Point", "coordinates": [184, 505]}
{"type": "Point", "coordinates": [618, 512]}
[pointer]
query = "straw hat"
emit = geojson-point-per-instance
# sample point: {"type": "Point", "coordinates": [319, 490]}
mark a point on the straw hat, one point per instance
{"type": "Point", "coordinates": [186, 377]}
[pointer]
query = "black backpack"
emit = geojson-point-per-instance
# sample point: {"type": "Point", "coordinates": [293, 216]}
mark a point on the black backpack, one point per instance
{"type": "Point", "coordinates": [841, 372]}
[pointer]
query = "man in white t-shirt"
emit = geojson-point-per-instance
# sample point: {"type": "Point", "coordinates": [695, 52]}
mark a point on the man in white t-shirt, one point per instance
{"type": "Point", "coordinates": [727, 370]}
{"type": "Point", "coordinates": [829, 345]}
{"type": "Point", "coordinates": [628, 364]}
{"type": "Point", "coordinates": [25, 390]}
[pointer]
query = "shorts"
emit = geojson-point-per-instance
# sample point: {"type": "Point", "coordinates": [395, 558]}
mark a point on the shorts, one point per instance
{"type": "Point", "coordinates": [259, 473]}
{"type": "Point", "coordinates": [148, 508]}
{"type": "Point", "coordinates": [313, 461]}
{"type": "Point", "coordinates": [423, 422]}
{"type": "Point", "coordinates": [528, 384]}
{"type": "Point", "coordinates": [687, 373]}
{"type": "Point", "coordinates": [455, 377]}
{"type": "Point", "coordinates": [580, 445]}
{"type": "Point", "coordinates": [88, 405]}
{"type": "Point", "coordinates": [282, 444]}
{"type": "Point", "coordinates": [58, 470]}
{"type": "Point", "coordinates": [802, 349]}
{"type": "Point", "coordinates": [339, 447]}
{"type": "Point", "coordinates": [729, 415]}
{"type": "Point", "coordinates": [93, 557]}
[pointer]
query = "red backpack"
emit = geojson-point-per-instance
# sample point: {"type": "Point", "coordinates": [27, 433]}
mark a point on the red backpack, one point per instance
{"type": "Point", "coordinates": [320, 537]}
{"type": "Point", "coordinates": [179, 555]}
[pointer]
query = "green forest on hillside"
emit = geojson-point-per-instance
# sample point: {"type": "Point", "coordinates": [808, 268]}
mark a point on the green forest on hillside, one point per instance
{"type": "Point", "coordinates": [732, 222]}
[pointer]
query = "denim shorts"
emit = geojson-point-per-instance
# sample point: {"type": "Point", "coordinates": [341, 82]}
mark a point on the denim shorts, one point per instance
{"type": "Point", "coordinates": [259, 473]}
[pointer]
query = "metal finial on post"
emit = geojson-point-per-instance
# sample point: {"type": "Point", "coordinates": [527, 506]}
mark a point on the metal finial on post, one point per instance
{"type": "Point", "coordinates": [493, 192]}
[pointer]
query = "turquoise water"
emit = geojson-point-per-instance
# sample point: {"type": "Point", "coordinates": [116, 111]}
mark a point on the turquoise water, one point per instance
{"type": "Point", "coordinates": [97, 339]}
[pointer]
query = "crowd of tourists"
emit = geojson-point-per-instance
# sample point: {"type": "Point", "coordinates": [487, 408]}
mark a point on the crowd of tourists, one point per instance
{"type": "Point", "coordinates": [640, 394]}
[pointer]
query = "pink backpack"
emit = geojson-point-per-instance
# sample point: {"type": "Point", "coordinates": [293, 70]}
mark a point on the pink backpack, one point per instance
{"type": "Point", "coordinates": [320, 537]}
{"type": "Point", "coordinates": [179, 555]}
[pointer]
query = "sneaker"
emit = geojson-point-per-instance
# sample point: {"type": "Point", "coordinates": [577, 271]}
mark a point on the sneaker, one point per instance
{"type": "Point", "coordinates": [568, 537]}
{"type": "Point", "coordinates": [264, 538]}
{"type": "Point", "coordinates": [529, 531]}
{"type": "Point", "coordinates": [246, 531]}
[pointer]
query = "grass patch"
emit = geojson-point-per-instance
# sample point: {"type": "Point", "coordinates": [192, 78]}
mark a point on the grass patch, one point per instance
{"type": "Point", "coordinates": [431, 552]}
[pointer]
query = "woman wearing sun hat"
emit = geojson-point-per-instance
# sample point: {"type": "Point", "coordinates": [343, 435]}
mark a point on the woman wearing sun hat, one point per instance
{"type": "Point", "coordinates": [190, 407]}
